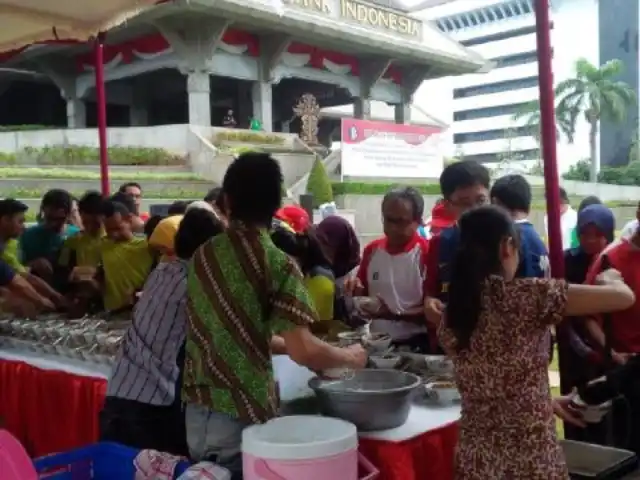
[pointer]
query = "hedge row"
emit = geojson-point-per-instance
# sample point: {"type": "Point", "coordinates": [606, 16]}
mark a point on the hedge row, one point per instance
{"type": "Point", "coordinates": [78, 155]}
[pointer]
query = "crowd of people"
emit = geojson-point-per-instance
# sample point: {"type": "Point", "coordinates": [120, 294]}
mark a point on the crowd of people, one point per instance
{"type": "Point", "coordinates": [220, 285]}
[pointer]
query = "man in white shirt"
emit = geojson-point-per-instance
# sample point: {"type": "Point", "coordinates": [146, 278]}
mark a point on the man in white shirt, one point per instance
{"type": "Point", "coordinates": [630, 228]}
{"type": "Point", "coordinates": [568, 220]}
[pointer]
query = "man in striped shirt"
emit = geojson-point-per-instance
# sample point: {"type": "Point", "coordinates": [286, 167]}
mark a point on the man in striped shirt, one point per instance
{"type": "Point", "coordinates": [243, 290]}
{"type": "Point", "coordinates": [142, 409]}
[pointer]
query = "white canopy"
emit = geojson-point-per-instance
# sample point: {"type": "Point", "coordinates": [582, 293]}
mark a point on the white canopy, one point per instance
{"type": "Point", "coordinates": [23, 22]}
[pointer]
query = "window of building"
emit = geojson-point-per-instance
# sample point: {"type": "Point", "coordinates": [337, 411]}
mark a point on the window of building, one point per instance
{"type": "Point", "coordinates": [516, 59]}
{"type": "Point", "coordinates": [526, 7]}
{"type": "Point", "coordinates": [496, 37]}
{"type": "Point", "coordinates": [487, 112]}
{"type": "Point", "coordinates": [497, 87]}
{"type": "Point", "coordinates": [532, 154]}
{"type": "Point", "coordinates": [496, 134]}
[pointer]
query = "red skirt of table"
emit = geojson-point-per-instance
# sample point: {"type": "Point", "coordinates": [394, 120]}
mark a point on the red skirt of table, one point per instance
{"type": "Point", "coordinates": [51, 411]}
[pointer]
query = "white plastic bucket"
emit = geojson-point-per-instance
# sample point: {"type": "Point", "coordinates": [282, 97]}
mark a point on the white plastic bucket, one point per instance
{"type": "Point", "coordinates": [302, 447]}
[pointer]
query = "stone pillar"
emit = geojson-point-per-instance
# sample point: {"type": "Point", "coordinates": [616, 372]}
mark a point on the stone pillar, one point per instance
{"type": "Point", "coordinates": [261, 94]}
{"type": "Point", "coordinates": [402, 113]}
{"type": "Point", "coordinates": [138, 114]}
{"type": "Point", "coordinates": [76, 113]}
{"type": "Point", "coordinates": [198, 90]}
{"type": "Point", "coordinates": [245, 105]}
{"type": "Point", "coordinates": [362, 108]}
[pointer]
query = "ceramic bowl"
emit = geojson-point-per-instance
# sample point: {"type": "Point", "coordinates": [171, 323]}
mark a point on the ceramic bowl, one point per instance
{"type": "Point", "coordinates": [377, 342]}
{"type": "Point", "coordinates": [591, 413]}
{"type": "Point", "coordinates": [349, 338]}
{"type": "Point", "coordinates": [386, 362]}
{"type": "Point", "coordinates": [439, 364]}
{"type": "Point", "coordinates": [443, 392]}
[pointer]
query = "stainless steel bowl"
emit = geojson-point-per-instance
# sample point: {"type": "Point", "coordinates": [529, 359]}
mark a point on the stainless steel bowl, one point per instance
{"type": "Point", "coordinates": [370, 399]}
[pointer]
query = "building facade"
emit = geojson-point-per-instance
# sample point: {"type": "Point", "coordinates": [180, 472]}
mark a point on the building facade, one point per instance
{"type": "Point", "coordinates": [193, 61]}
{"type": "Point", "coordinates": [481, 107]}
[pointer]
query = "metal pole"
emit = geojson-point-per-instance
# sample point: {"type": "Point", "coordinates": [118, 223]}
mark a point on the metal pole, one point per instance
{"type": "Point", "coordinates": [548, 131]}
{"type": "Point", "coordinates": [101, 109]}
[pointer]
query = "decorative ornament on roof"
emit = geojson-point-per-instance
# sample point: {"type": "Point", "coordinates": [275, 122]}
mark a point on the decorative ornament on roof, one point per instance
{"type": "Point", "coordinates": [308, 110]}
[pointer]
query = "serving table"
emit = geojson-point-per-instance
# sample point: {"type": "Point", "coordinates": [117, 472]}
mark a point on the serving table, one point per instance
{"type": "Point", "coordinates": [421, 449]}
{"type": "Point", "coordinates": [51, 404]}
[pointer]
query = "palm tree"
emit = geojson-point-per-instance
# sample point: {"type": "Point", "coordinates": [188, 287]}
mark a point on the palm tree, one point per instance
{"type": "Point", "coordinates": [595, 93]}
{"type": "Point", "coordinates": [531, 113]}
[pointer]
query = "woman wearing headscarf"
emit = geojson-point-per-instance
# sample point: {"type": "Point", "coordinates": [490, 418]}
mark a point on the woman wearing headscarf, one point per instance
{"type": "Point", "coordinates": [340, 245]}
{"type": "Point", "coordinates": [162, 239]}
{"type": "Point", "coordinates": [342, 249]}
{"type": "Point", "coordinates": [586, 202]}
{"type": "Point", "coordinates": [595, 230]}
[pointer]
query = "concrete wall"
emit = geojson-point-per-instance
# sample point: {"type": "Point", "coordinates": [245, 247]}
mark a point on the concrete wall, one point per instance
{"type": "Point", "coordinates": [173, 138]}
{"type": "Point", "coordinates": [368, 219]}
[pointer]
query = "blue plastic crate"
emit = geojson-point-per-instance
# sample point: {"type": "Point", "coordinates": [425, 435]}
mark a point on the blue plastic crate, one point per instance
{"type": "Point", "coordinates": [102, 461]}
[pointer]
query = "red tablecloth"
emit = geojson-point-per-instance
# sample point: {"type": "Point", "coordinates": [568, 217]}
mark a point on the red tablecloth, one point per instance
{"type": "Point", "coordinates": [47, 410]}
{"type": "Point", "coordinates": [426, 457]}
{"type": "Point", "coordinates": [51, 411]}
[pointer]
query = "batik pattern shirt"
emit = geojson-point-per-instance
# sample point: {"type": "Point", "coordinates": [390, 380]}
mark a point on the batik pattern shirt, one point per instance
{"type": "Point", "coordinates": [241, 290]}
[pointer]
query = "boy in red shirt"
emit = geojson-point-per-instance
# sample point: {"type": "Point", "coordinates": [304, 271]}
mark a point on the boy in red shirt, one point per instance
{"type": "Point", "coordinates": [624, 256]}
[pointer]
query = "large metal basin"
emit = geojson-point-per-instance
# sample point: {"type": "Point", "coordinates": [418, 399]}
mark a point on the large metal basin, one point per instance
{"type": "Point", "coordinates": [370, 399]}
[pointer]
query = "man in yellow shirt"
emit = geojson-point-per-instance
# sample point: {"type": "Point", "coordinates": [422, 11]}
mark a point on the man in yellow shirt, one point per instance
{"type": "Point", "coordinates": [83, 248]}
{"type": "Point", "coordinates": [12, 219]}
{"type": "Point", "coordinates": [126, 258]}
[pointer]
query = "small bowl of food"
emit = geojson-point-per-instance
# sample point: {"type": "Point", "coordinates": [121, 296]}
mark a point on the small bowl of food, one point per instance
{"type": "Point", "coordinates": [590, 413]}
{"type": "Point", "coordinates": [442, 391]}
{"type": "Point", "coordinates": [386, 362]}
{"type": "Point", "coordinates": [349, 338]}
{"type": "Point", "coordinates": [377, 342]}
{"type": "Point", "coordinates": [439, 364]}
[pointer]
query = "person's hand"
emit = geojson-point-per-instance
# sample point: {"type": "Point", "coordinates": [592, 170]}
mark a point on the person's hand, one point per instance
{"type": "Point", "coordinates": [353, 286]}
{"type": "Point", "coordinates": [568, 411]}
{"type": "Point", "coordinates": [609, 277]}
{"type": "Point", "coordinates": [433, 310]}
{"type": "Point", "coordinates": [620, 358]}
{"type": "Point", "coordinates": [41, 266]}
{"type": "Point", "coordinates": [358, 356]}
{"type": "Point", "coordinates": [49, 305]}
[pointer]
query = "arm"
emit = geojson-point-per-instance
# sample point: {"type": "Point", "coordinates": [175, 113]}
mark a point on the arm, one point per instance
{"type": "Point", "coordinates": [20, 286]}
{"type": "Point", "coordinates": [612, 295]}
{"type": "Point", "coordinates": [291, 316]}
{"type": "Point", "coordinates": [42, 287]}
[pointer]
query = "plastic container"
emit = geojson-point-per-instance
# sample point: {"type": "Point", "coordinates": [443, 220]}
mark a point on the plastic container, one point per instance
{"type": "Point", "coordinates": [102, 461]}
{"type": "Point", "coordinates": [14, 461]}
{"type": "Point", "coordinates": [303, 447]}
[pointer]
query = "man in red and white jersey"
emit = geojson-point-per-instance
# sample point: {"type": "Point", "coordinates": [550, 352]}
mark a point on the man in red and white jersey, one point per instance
{"type": "Point", "coordinates": [393, 269]}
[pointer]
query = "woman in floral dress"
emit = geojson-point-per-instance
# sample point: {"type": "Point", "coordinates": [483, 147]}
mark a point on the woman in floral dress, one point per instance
{"type": "Point", "coordinates": [496, 329]}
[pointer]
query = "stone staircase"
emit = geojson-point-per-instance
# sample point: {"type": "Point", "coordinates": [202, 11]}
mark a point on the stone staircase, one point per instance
{"type": "Point", "coordinates": [27, 178]}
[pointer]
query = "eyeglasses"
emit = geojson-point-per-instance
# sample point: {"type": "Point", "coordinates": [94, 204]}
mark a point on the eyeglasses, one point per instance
{"type": "Point", "coordinates": [466, 203]}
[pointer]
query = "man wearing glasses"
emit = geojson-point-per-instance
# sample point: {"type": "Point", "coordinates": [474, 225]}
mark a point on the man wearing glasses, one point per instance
{"type": "Point", "coordinates": [464, 185]}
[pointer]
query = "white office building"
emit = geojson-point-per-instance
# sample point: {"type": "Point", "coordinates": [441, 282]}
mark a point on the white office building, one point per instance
{"type": "Point", "coordinates": [480, 107]}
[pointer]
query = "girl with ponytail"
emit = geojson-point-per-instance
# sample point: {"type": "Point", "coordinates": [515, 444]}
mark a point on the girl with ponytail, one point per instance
{"type": "Point", "coordinates": [496, 330]}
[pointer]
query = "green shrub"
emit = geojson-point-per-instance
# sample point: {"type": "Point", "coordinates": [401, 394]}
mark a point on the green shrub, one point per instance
{"type": "Point", "coordinates": [365, 188]}
{"type": "Point", "coordinates": [245, 136]}
{"type": "Point", "coordinates": [119, 156]}
{"type": "Point", "coordinates": [22, 128]}
{"type": "Point", "coordinates": [319, 184]}
{"type": "Point", "coordinates": [621, 175]}
{"type": "Point", "coordinates": [65, 174]}
{"type": "Point", "coordinates": [175, 193]}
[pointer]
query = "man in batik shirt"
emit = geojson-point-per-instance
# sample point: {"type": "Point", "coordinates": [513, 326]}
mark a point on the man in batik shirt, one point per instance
{"type": "Point", "coordinates": [242, 291]}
